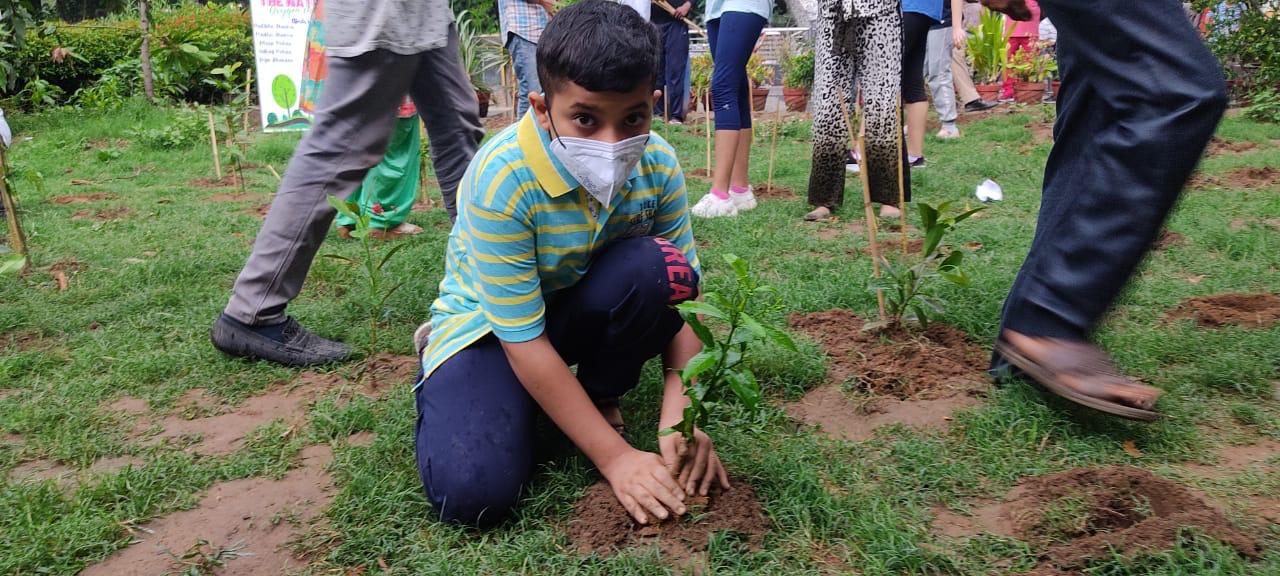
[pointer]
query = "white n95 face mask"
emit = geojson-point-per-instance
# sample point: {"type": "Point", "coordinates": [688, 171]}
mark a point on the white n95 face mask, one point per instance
{"type": "Point", "coordinates": [600, 167]}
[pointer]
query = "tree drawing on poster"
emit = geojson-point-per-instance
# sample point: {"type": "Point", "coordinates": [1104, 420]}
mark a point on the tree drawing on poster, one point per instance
{"type": "Point", "coordinates": [281, 30]}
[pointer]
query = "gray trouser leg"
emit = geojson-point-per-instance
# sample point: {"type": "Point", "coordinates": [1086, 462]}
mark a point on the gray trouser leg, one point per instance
{"type": "Point", "coordinates": [352, 126]}
{"type": "Point", "coordinates": [446, 100]}
{"type": "Point", "coordinates": [937, 70]}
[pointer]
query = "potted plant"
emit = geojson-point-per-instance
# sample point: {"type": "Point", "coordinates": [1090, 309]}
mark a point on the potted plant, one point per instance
{"type": "Point", "coordinates": [477, 57]}
{"type": "Point", "coordinates": [1030, 70]}
{"type": "Point", "coordinates": [989, 50]}
{"type": "Point", "coordinates": [761, 76]}
{"type": "Point", "coordinates": [798, 81]}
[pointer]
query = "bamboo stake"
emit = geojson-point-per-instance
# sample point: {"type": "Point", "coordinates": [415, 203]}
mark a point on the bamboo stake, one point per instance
{"type": "Point", "coordinates": [773, 143]}
{"type": "Point", "coordinates": [666, 106]}
{"type": "Point", "coordinates": [248, 99]}
{"type": "Point", "coordinates": [859, 143]}
{"type": "Point", "coordinates": [17, 237]}
{"type": "Point", "coordinates": [902, 194]}
{"type": "Point", "coordinates": [213, 141]}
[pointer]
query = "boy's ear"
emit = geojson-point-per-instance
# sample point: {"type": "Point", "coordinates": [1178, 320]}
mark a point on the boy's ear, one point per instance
{"type": "Point", "coordinates": [538, 103]}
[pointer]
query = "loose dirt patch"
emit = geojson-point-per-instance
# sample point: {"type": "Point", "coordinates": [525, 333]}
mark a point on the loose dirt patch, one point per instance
{"type": "Point", "coordinates": [25, 342]}
{"type": "Point", "coordinates": [223, 433]}
{"type": "Point", "coordinates": [115, 464]}
{"type": "Point", "coordinates": [40, 470]}
{"type": "Point", "coordinates": [699, 173]}
{"type": "Point", "coordinates": [602, 526]}
{"type": "Point", "coordinates": [1250, 177]}
{"type": "Point", "coordinates": [129, 405]}
{"type": "Point", "coordinates": [775, 192]}
{"type": "Point", "coordinates": [255, 517]}
{"type": "Point", "coordinates": [230, 197]}
{"type": "Point", "coordinates": [259, 211]}
{"type": "Point", "coordinates": [1219, 146]}
{"type": "Point", "coordinates": [224, 182]}
{"type": "Point", "coordinates": [1168, 240]}
{"type": "Point", "coordinates": [1232, 460]}
{"type": "Point", "coordinates": [84, 198]}
{"type": "Point", "coordinates": [105, 215]}
{"type": "Point", "coordinates": [361, 439]}
{"type": "Point", "coordinates": [1260, 310]}
{"type": "Point", "coordinates": [894, 246]}
{"type": "Point", "coordinates": [1041, 132]}
{"type": "Point", "coordinates": [1083, 515]}
{"type": "Point", "coordinates": [916, 379]}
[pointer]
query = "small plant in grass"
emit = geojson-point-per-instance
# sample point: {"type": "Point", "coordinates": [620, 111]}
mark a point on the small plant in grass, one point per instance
{"type": "Point", "coordinates": [1264, 106]}
{"type": "Point", "coordinates": [380, 287]}
{"type": "Point", "coordinates": [205, 559]}
{"type": "Point", "coordinates": [906, 284]}
{"type": "Point", "coordinates": [720, 363]}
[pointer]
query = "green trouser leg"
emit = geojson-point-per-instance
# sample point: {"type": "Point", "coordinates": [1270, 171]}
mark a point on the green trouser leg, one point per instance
{"type": "Point", "coordinates": [393, 183]}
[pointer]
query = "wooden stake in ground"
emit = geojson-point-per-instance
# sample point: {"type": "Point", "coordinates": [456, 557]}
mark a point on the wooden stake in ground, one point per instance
{"type": "Point", "coordinates": [666, 106]}
{"type": "Point", "coordinates": [859, 143]}
{"type": "Point", "coordinates": [773, 142]}
{"type": "Point", "coordinates": [248, 99]}
{"type": "Point", "coordinates": [213, 141]}
{"type": "Point", "coordinates": [902, 193]}
{"type": "Point", "coordinates": [706, 104]}
{"type": "Point", "coordinates": [17, 238]}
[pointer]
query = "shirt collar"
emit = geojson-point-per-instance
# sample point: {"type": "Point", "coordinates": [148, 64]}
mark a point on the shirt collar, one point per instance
{"type": "Point", "coordinates": [551, 174]}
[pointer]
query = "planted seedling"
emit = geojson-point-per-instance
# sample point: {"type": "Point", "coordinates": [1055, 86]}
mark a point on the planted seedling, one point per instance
{"type": "Point", "coordinates": [720, 363]}
{"type": "Point", "coordinates": [380, 288]}
{"type": "Point", "coordinates": [907, 284]}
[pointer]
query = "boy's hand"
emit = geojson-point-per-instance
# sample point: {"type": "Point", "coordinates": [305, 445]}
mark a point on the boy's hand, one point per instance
{"type": "Point", "coordinates": [696, 472]}
{"type": "Point", "coordinates": [643, 485]}
{"type": "Point", "coordinates": [1016, 9]}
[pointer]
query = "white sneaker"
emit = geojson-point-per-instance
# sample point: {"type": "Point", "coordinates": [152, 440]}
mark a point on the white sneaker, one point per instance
{"type": "Point", "coordinates": [744, 201]}
{"type": "Point", "coordinates": [421, 335]}
{"type": "Point", "coordinates": [948, 132]}
{"type": "Point", "coordinates": [712, 206]}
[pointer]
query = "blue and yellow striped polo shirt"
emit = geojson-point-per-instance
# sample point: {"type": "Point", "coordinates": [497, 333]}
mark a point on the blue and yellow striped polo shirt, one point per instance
{"type": "Point", "coordinates": [526, 230]}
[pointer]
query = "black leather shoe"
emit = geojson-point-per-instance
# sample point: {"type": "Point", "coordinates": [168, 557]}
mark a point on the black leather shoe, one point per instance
{"type": "Point", "coordinates": [979, 105]}
{"type": "Point", "coordinates": [298, 347]}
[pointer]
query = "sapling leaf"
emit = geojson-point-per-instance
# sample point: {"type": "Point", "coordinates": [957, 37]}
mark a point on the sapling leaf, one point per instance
{"type": "Point", "coordinates": [932, 238]}
{"type": "Point", "coordinates": [921, 317]}
{"type": "Point", "coordinates": [781, 338]}
{"type": "Point", "coordinates": [744, 386]}
{"type": "Point", "coordinates": [751, 325]}
{"type": "Point", "coordinates": [699, 364]}
{"type": "Point", "coordinates": [739, 267]}
{"type": "Point", "coordinates": [700, 329]}
{"type": "Point", "coordinates": [667, 431]}
{"type": "Point", "coordinates": [703, 308]}
{"type": "Point", "coordinates": [965, 216]}
{"type": "Point", "coordinates": [342, 207]}
{"type": "Point", "coordinates": [12, 263]}
{"type": "Point", "coordinates": [342, 258]}
{"type": "Point", "coordinates": [389, 254]}
{"type": "Point", "coordinates": [928, 216]}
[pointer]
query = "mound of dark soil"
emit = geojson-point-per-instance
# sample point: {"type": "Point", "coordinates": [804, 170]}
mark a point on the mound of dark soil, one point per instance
{"type": "Point", "coordinates": [1260, 310]}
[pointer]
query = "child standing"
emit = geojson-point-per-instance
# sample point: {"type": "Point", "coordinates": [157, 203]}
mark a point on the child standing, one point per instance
{"type": "Point", "coordinates": [572, 243]}
{"type": "Point", "coordinates": [1023, 36]}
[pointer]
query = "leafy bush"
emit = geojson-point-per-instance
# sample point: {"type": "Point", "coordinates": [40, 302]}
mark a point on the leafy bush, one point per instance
{"type": "Point", "coordinates": [1265, 106]}
{"type": "Point", "coordinates": [989, 48]}
{"type": "Point", "coordinates": [222, 31]}
{"type": "Point", "coordinates": [112, 89]}
{"type": "Point", "coordinates": [1248, 44]}
{"type": "Point", "coordinates": [187, 129]}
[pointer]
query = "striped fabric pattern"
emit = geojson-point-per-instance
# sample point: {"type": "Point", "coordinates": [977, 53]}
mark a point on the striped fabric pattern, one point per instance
{"type": "Point", "coordinates": [526, 230]}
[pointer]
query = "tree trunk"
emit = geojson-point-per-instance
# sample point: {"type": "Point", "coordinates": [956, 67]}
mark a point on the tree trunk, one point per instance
{"type": "Point", "coordinates": [148, 85]}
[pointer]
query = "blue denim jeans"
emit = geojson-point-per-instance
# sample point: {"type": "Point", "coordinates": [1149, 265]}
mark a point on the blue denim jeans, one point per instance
{"type": "Point", "coordinates": [524, 60]}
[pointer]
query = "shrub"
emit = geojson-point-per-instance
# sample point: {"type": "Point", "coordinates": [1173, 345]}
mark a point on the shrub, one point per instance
{"type": "Point", "coordinates": [1248, 45]}
{"type": "Point", "coordinates": [186, 130]}
{"type": "Point", "coordinates": [800, 71]}
{"type": "Point", "coordinates": [1264, 106]}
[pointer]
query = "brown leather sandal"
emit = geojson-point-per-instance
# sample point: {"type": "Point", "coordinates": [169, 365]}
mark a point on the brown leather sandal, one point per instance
{"type": "Point", "coordinates": [1088, 364]}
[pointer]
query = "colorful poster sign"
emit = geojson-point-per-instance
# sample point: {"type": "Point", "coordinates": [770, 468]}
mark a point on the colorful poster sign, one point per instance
{"type": "Point", "coordinates": [280, 39]}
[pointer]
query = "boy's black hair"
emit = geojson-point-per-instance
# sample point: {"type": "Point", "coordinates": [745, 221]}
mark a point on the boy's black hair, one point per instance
{"type": "Point", "coordinates": [600, 45]}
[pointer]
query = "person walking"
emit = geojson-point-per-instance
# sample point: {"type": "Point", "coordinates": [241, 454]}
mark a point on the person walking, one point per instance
{"type": "Point", "coordinates": [390, 188]}
{"type": "Point", "coordinates": [1105, 198]}
{"type": "Point", "coordinates": [733, 27]}
{"type": "Point", "coordinates": [961, 76]}
{"type": "Point", "coordinates": [942, 37]}
{"type": "Point", "coordinates": [521, 23]}
{"type": "Point", "coordinates": [1023, 36]}
{"type": "Point", "coordinates": [378, 50]}
{"type": "Point", "coordinates": [674, 62]}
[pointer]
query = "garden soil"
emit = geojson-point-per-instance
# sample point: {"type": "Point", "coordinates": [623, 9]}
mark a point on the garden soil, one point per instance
{"type": "Point", "coordinates": [84, 198]}
{"type": "Point", "coordinates": [1218, 146]}
{"type": "Point", "coordinates": [1167, 240]}
{"type": "Point", "coordinates": [913, 379]}
{"type": "Point", "coordinates": [600, 525]}
{"type": "Point", "coordinates": [1260, 310]}
{"type": "Point", "coordinates": [775, 192]}
{"type": "Point", "coordinates": [254, 517]}
{"type": "Point", "coordinates": [104, 215]}
{"type": "Point", "coordinates": [1250, 177]}
{"type": "Point", "coordinates": [1081, 516]}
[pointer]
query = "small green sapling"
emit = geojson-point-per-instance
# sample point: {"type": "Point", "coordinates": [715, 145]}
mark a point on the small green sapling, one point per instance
{"type": "Point", "coordinates": [906, 285]}
{"type": "Point", "coordinates": [380, 288]}
{"type": "Point", "coordinates": [720, 363]}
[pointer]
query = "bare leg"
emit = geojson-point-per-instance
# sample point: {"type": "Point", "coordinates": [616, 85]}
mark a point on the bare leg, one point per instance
{"type": "Point", "coordinates": [917, 113]}
{"type": "Point", "coordinates": [741, 160]}
{"type": "Point", "coordinates": [726, 154]}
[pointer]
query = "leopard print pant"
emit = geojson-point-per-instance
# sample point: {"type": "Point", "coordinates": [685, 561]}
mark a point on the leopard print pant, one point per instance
{"type": "Point", "coordinates": [868, 47]}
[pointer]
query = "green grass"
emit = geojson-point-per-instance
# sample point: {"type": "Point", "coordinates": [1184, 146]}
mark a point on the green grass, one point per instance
{"type": "Point", "coordinates": [152, 283]}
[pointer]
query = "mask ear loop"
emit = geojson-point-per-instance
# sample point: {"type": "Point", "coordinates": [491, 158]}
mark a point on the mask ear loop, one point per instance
{"type": "Point", "coordinates": [555, 132]}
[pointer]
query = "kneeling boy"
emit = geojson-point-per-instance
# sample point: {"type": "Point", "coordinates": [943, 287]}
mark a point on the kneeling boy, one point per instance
{"type": "Point", "coordinates": [571, 246]}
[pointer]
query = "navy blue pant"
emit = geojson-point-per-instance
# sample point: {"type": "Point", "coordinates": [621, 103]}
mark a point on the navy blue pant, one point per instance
{"type": "Point", "coordinates": [732, 37]}
{"type": "Point", "coordinates": [475, 426]}
{"type": "Point", "coordinates": [1140, 99]}
{"type": "Point", "coordinates": [671, 68]}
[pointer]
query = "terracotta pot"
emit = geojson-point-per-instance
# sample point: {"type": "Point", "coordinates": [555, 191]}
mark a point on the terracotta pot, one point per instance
{"type": "Point", "coordinates": [1056, 85]}
{"type": "Point", "coordinates": [988, 92]}
{"type": "Point", "coordinates": [1028, 92]}
{"type": "Point", "coordinates": [797, 99]}
{"type": "Point", "coordinates": [759, 97]}
{"type": "Point", "coordinates": [483, 98]}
